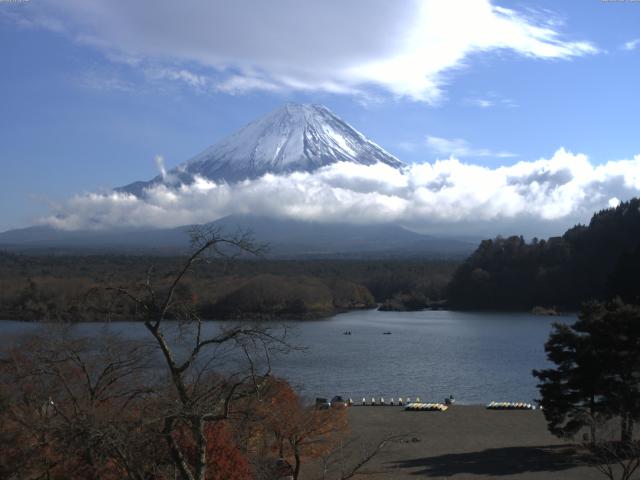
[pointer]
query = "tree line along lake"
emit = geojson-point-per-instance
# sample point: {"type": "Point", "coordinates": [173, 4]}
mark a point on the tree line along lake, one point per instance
{"type": "Point", "coordinates": [477, 357]}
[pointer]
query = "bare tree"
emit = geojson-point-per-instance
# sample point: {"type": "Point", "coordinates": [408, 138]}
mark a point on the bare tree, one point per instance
{"type": "Point", "coordinates": [339, 455]}
{"type": "Point", "coordinates": [210, 370]}
{"type": "Point", "coordinates": [615, 459]}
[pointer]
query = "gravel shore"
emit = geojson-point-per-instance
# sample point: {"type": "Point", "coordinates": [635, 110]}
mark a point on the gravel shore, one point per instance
{"type": "Point", "coordinates": [465, 442]}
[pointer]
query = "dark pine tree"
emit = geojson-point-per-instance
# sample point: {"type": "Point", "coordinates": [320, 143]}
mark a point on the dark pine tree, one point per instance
{"type": "Point", "coordinates": [597, 371]}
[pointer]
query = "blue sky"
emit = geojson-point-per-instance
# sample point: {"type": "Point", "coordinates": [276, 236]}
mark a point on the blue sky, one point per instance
{"type": "Point", "coordinates": [91, 91]}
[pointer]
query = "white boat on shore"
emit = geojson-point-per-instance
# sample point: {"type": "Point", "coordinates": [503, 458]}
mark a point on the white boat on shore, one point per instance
{"type": "Point", "coordinates": [510, 406]}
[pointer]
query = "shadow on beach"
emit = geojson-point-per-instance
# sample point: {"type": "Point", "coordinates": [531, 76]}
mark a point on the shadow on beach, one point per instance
{"type": "Point", "coordinates": [495, 462]}
{"type": "Point", "coordinates": [467, 442]}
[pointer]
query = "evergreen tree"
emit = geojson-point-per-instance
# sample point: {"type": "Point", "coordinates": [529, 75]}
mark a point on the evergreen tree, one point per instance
{"type": "Point", "coordinates": [597, 373]}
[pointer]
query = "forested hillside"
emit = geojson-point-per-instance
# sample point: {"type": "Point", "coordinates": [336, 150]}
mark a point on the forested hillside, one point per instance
{"type": "Point", "coordinates": [75, 288]}
{"type": "Point", "coordinates": [597, 261]}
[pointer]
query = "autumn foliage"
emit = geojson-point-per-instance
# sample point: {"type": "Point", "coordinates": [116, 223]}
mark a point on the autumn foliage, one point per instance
{"type": "Point", "coordinates": [73, 410]}
{"type": "Point", "coordinates": [298, 431]}
{"type": "Point", "coordinates": [225, 461]}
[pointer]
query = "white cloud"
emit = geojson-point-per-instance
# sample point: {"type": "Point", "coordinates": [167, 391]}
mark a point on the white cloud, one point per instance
{"type": "Point", "coordinates": [181, 75]}
{"type": "Point", "coordinates": [159, 161]}
{"type": "Point", "coordinates": [404, 48]}
{"type": "Point", "coordinates": [238, 84]}
{"type": "Point", "coordinates": [489, 100]}
{"type": "Point", "coordinates": [631, 44]}
{"type": "Point", "coordinates": [458, 147]}
{"type": "Point", "coordinates": [103, 80]}
{"type": "Point", "coordinates": [32, 19]}
{"type": "Point", "coordinates": [482, 102]}
{"type": "Point", "coordinates": [531, 197]}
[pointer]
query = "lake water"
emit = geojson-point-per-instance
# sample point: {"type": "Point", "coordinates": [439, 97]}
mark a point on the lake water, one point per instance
{"type": "Point", "coordinates": [477, 357]}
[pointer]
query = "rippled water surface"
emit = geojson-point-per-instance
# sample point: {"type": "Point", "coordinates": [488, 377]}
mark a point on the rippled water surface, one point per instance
{"type": "Point", "coordinates": [477, 357]}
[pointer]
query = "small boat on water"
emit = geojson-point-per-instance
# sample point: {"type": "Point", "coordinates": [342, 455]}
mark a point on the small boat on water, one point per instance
{"type": "Point", "coordinates": [386, 333]}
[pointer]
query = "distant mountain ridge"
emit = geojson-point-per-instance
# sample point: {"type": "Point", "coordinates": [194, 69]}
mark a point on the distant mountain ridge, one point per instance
{"type": "Point", "coordinates": [293, 138]}
{"type": "Point", "coordinates": [286, 238]}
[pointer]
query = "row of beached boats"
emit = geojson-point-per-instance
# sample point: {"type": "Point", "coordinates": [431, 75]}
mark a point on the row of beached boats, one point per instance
{"type": "Point", "coordinates": [417, 405]}
{"type": "Point", "coordinates": [510, 406]}
{"type": "Point", "coordinates": [338, 401]}
{"type": "Point", "coordinates": [382, 402]}
{"type": "Point", "coordinates": [427, 407]}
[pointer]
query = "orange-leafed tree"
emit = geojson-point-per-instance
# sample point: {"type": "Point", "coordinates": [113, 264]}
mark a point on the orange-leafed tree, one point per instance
{"type": "Point", "coordinates": [224, 459]}
{"type": "Point", "coordinates": [297, 430]}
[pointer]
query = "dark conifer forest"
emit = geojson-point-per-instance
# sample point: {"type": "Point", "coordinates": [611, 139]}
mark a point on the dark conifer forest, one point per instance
{"type": "Point", "coordinates": [596, 261]}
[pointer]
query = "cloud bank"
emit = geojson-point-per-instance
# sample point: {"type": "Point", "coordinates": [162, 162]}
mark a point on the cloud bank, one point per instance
{"type": "Point", "coordinates": [403, 48]}
{"type": "Point", "coordinates": [534, 198]}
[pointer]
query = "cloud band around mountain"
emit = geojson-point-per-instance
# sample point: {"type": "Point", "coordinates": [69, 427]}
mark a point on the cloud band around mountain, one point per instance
{"type": "Point", "coordinates": [531, 197]}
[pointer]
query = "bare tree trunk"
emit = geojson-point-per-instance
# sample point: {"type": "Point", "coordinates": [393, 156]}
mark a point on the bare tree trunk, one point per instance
{"type": "Point", "coordinates": [296, 471]}
{"type": "Point", "coordinates": [176, 453]}
{"type": "Point", "coordinates": [594, 420]}
{"type": "Point", "coordinates": [624, 428]}
{"type": "Point", "coordinates": [201, 443]}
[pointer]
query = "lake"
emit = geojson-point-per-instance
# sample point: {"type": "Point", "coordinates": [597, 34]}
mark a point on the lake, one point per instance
{"type": "Point", "coordinates": [477, 357]}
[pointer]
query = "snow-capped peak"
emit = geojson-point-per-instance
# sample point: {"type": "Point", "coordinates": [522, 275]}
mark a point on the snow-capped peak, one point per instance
{"type": "Point", "coordinates": [294, 137]}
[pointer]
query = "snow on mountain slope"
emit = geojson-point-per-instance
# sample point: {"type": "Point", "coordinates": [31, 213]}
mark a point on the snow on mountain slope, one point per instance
{"type": "Point", "coordinates": [295, 137]}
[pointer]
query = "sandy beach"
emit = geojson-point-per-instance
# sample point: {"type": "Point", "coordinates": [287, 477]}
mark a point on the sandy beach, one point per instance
{"type": "Point", "coordinates": [465, 442]}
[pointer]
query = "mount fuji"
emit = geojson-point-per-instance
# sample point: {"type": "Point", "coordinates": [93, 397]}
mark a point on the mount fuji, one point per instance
{"type": "Point", "coordinates": [293, 138]}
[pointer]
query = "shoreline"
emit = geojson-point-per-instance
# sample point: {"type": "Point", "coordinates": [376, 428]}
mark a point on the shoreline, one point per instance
{"type": "Point", "coordinates": [296, 318]}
